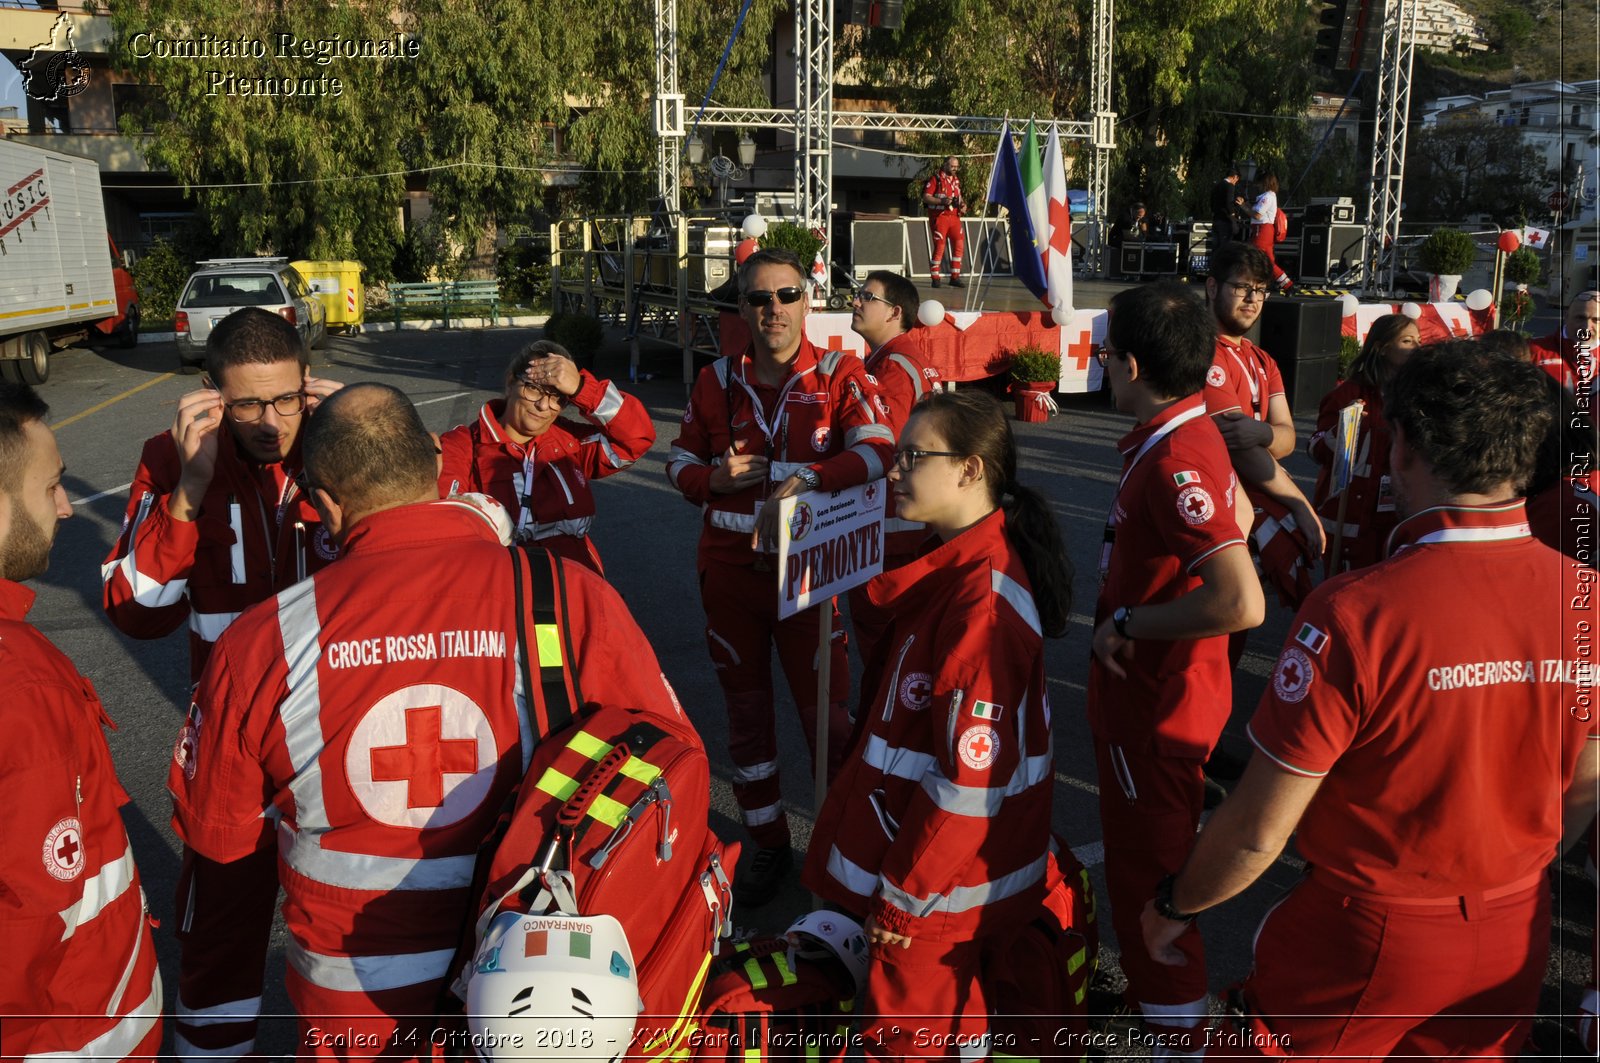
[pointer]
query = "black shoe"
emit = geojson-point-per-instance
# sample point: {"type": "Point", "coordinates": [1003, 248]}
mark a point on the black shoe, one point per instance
{"type": "Point", "coordinates": [936, 282]}
{"type": "Point", "coordinates": [757, 882]}
{"type": "Point", "coordinates": [955, 282]}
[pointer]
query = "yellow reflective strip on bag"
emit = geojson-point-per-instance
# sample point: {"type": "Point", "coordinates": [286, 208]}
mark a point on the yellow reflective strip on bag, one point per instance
{"type": "Point", "coordinates": [547, 643]}
{"type": "Point", "coordinates": [753, 1055]}
{"type": "Point", "coordinates": [1077, 960]}
{"type": "Point", "coordinates": [557, 785]}
{"type": "Point", "coordinates": [789, 977]}
{"type": "Point", "coordinates": [753, 971]}
{"type": "Point", "coordinates": [611, 812]}
{"type": "Point", "coordinates": [1077, 998]}
{"type": "Point", "coordinates": [585, 744]}
{"type": "Point", "coordinates": [640, 771]}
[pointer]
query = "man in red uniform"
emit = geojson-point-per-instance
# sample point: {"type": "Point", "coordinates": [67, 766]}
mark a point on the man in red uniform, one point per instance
{"type": "Point", "coordinates": [883, 313]}
{"type": "Point", "coordinates": [376, 717]}
{"type": "Point", "coordinates": [1428, 734]}
{"type": "Point", "coordinates": [941, 195]}
{"type": "Point", "coordinates": [1568, 354]}
{"type": "Point", "coordinates": [1176, 580]}
{"type": "Point", "coordinates": [216, 524]}
{"type": "Point", "coordinates": [776, 420]}
{"type": "Point", "coordinates": [79, 979]}
{"type": "Point", "coordinates": [538, 466]}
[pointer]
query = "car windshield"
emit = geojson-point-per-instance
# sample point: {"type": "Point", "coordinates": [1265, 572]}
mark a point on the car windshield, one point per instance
{"type": "Point", "coordinates": [234, 289]}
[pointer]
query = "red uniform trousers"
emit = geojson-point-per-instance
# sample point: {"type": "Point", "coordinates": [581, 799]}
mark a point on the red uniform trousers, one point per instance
{"type": "Point", "coordinates": [1364, 979]}
{"type": "Point", "coordinates": [946, 225]}
{"type": "Point", "coordinates": [925, 1002]}
{"type": "Point", "coordinates": [1149, 811]}
{"type": "Point", "coordinates": [742, 624]}
{"type": "Point", "coordinates": [344, 1026]}
{"type": "Point", "coordinates": [1265, 237]}
{"type": "Point", "coordinates": [233, 923]}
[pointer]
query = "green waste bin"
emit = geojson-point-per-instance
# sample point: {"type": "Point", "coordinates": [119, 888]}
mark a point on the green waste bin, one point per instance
{"type": "Point", "coordinates": [338, 285]}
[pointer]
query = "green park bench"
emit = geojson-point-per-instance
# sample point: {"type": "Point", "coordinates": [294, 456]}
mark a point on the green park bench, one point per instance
{"type": "Point", "coordinates": [447, 296]}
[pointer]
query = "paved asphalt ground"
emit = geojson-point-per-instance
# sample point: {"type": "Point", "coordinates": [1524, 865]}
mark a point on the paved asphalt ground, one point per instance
{"type": "Point", "coordinates": [105, 403]}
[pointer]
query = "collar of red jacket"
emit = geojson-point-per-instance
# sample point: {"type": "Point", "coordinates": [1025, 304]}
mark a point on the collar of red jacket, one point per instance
{"type": "Point", "coordinates": [1462, 524]}
{"type": "Point", "coordinates": [901, 344]}
{"type": "Point", "coordinates": [1131, 442]}
{"type": "Point", "coordinates": [982, 541]}
{"type": "Point", "coordinates": [805, 360]}
{"type": "Point", "coordinates": [419, 523]}
{"type": "Point", "coordinates": [15, 600]}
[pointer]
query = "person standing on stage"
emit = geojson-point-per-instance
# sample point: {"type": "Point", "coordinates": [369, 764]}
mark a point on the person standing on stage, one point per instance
{"type": "Point", "coordinates": [941, 195]}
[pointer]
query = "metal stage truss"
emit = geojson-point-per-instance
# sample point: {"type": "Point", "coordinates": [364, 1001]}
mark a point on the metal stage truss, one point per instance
{"type": "Point", "coordinates": [1387, 176]}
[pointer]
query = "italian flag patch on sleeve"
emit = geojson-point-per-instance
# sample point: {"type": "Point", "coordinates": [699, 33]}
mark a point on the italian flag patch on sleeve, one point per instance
{"type": "Point", "coordinates": [1311, 638]}
{"type": "Point", "coordinates": [986, 710]}
{"type": "Point", "coordinates": [1181, 478]}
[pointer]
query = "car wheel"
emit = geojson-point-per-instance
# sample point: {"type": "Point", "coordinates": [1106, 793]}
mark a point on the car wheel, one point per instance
{"type": "Point", "coordinates": [35, 366]}
{"type": "Point", "coordinates": [128, 335]}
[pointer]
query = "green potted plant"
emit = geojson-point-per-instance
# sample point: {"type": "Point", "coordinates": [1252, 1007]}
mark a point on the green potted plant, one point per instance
{"type": "Point", "coordinates": [1522, 269]}
{"type": "Point", "coordinates": [1447, 254]}
{"type": "Point", "coordinates": [1035, 372]}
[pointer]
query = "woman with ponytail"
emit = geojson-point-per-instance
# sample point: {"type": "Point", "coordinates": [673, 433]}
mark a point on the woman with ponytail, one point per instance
{"type": "Point", "coordinates": [937, 832]}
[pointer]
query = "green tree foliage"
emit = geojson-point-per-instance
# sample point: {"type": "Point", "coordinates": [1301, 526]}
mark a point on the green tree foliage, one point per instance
{"type": "Point", "coordinates": [160, 274]}
{"type": "Point", "coordinates": [1472, 167]}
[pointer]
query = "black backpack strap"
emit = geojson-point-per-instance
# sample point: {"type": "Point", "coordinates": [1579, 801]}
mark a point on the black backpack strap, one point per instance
{"type": "Point", "coordinates": [551, 645]}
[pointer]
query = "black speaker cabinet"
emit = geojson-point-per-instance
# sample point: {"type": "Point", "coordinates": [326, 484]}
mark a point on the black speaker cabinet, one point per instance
{"type": "Point", "coordinates": [1326, 249]}
{"type": "Point", "coordinates": [1302, 335]}
{"type": "Point", "coordinates": [878, 245]}
{"type": "Point", "coordinates": [988, 248]}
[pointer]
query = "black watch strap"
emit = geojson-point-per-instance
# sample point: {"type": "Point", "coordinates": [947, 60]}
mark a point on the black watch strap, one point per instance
{"type": "Point", "coordinates": [1164, 906]}
{"type": "Point", "coordinates": [1119, 620]}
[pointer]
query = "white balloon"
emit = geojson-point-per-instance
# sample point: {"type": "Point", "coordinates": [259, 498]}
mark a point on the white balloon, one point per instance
{"type": "Point", "coordinates": [1061, 315]}
{"type": "Point", "coordinates": [1348, 305]}
{"type": "Point", "coordinates": [931, 312]}
{"type": "Point", "coordinates": [1480, 300]}
{"type": "Point", "coordinates": [1411, 310]}
{"type": "Point", "coordinates": [755, 226]}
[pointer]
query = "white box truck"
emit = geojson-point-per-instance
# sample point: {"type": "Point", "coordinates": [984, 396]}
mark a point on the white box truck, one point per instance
{"type": "Point", "coordinates": [59, 280]}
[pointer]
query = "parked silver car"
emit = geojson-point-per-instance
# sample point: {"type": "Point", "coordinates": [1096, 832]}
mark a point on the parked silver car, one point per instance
{"type": "Point", "coordinates": [222, 285]}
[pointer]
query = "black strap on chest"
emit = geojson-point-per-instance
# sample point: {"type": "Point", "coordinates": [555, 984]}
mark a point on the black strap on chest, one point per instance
{"type": "Point", "coordinates": [540, 578]}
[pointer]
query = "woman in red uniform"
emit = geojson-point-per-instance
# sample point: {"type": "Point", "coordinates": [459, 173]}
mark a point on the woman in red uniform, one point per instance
{"type": "Point", "coordinates": [1369, 515]}
{"type": "Point", "coordinates": [1268, 226]}
{"type": "Point", "coordinates": [937, 832]}
{"type": "Point", "coordinates": [521, 453]}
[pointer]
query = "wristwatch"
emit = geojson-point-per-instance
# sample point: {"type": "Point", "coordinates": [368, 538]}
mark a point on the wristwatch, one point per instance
{"type": "Point", "coordinates": [808, 476]}
{"type": "Point", "coordinates": [1119, 620]}
{"type": "Point", "coordinates": [1163, 902]}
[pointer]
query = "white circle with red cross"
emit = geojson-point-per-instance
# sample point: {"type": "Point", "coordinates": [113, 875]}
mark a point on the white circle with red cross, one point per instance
{"type": "Point", "coordinates": [978, 746]}
{"type": "Point", "coordinates": [422, 757]}
{"type": "Point", "coordinates": [820, 439]}
{"type": "Point", "coordinates": [916, 691]}
{"type": "Point", "coordinates": [63, 850]}
{"type": "Point", "coordinates": [1194, 503]}
{"type": "Point", "coordinates": [1215, 377]}
{"type": "Point", "coordinates": [1292, 679]}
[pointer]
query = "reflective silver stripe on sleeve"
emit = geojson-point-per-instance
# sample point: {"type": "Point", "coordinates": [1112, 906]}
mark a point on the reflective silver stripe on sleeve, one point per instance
{"type": "Point", "coordinates": [868, 431]}
{"type": "Point", "coordinates": [210, 626]}
{"type": "Point", "coordinates": [966, 898]}
{"type": "Point", "coordinates": [984, 802]}
{"type": "Point", "coordinates": [738, 522]}
{"type": "Point", "coordinates": [99, 890]}
{"type": "Point", "coordinates": [898, 762]}
{"type": "Point", "coordinates": [755, 772]}
{"type": "Point", "coordinates": [368, 974]}
{"type": "Point", "coordinates": [681, 457]}
{"type": "Point", "coordinates": [576, 526]}
{"type": "Point", "coordinates": [911, 371]}
{"type": "Point", "coordinates": [301, 711]}
{"type": "Point", "coordinates": [853, 876]}
{"type": "Point", "coordinates": [1019, 599]}
{"type": "Point", "coordinates": [219, 1014]}
{"type": "Point", "coordinates": [869, 457]}
{"type": "Point", "coordinates": [756, 817]}
{"type": "Point", "coordinates": [609, 406]}
{"type": "Point", "coordinates": [613, 459]}
{"type": "Point", "coordinates": [782, 470]}
{"type": "Point", "coordinates": [119, 1041]}
{"type": "Point", "coordinates": [148, 592]}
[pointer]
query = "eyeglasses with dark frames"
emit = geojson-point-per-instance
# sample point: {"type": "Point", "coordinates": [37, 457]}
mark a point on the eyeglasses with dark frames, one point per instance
{"type": "Point", "coordinates": [538, 394]}
{"type": "Point", "coordinates": [906, 459]}
{"type": "Point", "coordinates": [247, 411]}
{"type": "Point", "coordinates": [761, 296]}
{"type": "Point", "coordinates": [1246, 291]}
{"type": "Point", "coordinates": [864, 297]}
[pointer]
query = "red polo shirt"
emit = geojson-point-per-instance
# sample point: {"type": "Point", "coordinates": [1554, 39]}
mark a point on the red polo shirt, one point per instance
{"type": "Point", "coordinates": [1242, 377]}
{"type": "Point", "coordinates": [1439, 693]}
{"type": "Point", "coordinates": [1173, 511]}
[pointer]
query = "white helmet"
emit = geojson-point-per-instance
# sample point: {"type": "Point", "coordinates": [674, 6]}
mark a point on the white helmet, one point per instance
{"type": "Point", "coordinates": [835, 935]}
{"type": "Point", "coordinates": [553, 987]}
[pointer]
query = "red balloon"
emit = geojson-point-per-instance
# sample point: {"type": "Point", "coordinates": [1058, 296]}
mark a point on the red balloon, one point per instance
{"type": "Point", "coordinates": [1509, 241]}
{"type": "Point", "coordinates": [744, 249]}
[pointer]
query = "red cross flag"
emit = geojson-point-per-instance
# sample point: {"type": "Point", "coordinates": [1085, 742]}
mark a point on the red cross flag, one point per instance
{"type": "Point", "coordinates": [1535, 237]}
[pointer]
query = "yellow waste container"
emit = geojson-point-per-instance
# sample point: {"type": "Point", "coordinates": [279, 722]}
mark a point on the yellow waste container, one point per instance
{"type": "Point", "coordinates": [338, 285]}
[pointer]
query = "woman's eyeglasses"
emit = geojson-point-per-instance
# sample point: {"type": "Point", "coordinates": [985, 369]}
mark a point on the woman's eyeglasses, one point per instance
{"type": "Point", "coordinates": [906, 460]}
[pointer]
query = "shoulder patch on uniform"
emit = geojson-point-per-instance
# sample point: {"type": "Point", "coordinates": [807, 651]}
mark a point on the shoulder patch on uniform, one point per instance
{"type": "Point", "coordinates": [1311, 637]}
{"type": "Point", "coordinates": [987, 710]}
{"type": "Point", "coordinates": [1215, 377]}
{"type": "Point", "coordinates": [1291, 680]}
{"type": "Point", "coordinates": [821, 438]}
{"type": "Point", "coordinates": [978, 746]}
{"type": "Point", "coordinates": [916, 691]}
{"type": "Point", "coordinates": [1188, 476]}
{"type": "Point", "coordinates": [1195, 504]}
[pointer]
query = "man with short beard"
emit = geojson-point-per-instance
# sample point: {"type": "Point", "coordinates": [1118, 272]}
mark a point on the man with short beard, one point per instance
{"type": "Point", "coordinates": [80, 978]}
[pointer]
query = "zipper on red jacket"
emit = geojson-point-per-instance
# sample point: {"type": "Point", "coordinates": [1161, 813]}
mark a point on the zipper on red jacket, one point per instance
{"type": "Point", "coordinates": [236, 552]}
{"type": "Point", "coordinates": [894, 679]}
{"type": "Point", "coordinates": [299, 550]}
